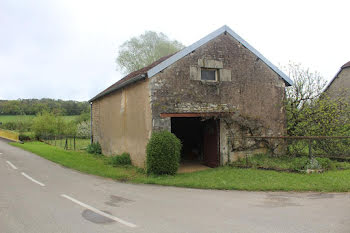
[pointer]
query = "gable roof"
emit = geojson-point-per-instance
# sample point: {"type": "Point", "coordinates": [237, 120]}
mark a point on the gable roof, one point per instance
{"type": "Point", "coordinates": [164, 62]}
{"type": "Point", "coordinates": [208, 38]}
{"type": "Point", "coordinates": [346, 65]}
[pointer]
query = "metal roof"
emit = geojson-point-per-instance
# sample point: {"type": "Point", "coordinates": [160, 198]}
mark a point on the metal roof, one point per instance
{"type": "Point", "coordinates": [161, 66]}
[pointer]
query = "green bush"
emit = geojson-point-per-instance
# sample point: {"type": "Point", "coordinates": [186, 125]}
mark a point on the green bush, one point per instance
{"type": "Point", "coordinates": [299, 163]}
{"type": "Point", "coordinates": [326, 163]}
{"type": "Point", "coordinates": [26, 136]}
{"type": "Point", "coordinates": [163, 153]}
{"type": "Point", "coordinates": [287, 163]}
{"type": "Point", "coordinates": [120, 160]}
{"type": "Point", "coordinates": [18, 125]}
{"type": "Point", "coordinates": [94, 148]}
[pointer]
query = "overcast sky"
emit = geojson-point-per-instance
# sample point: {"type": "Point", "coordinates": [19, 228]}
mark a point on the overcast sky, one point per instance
{"type": "Point", "coordinates": [66, 49]}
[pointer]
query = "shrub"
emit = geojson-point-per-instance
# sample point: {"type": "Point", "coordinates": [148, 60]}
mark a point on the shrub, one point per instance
{"type": "Point", "coordinates": [26, 136]}
{"type": "Point", "coordinates": [326, 163]}
{"type": "Point", "coordinates": [83, 129]}
{"type": "Point", "coordinates": [300, 163]}
{"type": "Point", "coordinates": [94, 148]}
{"type": "Point", "coordinates": [19, 125]}
{"type": "Point", "coordinates": [120, 160]}
{"type": "Point", "coordinates": [163, 153]}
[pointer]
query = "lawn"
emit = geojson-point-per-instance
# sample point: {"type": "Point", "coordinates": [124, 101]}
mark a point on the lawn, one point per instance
{"type": "Point", "coordinates": [219, 178]}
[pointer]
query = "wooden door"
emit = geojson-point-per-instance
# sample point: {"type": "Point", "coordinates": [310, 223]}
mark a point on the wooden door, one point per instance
{"type": "Point", "coordinates": [211, 143]}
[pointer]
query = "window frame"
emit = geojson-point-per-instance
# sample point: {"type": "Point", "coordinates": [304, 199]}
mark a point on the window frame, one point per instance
{"type": "Point", "coordinates": [211, 69]}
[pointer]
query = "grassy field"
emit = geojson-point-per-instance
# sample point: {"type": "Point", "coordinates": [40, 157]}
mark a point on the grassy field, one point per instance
{"type": "Point", "coordinates": [9, 118]}
{"type": "Point", "coordinates": [219, 178]}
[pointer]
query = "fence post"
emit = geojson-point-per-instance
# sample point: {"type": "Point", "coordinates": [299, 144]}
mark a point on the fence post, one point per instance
{"type": "Point", "coordinates": [310, 148]}
{"type": "Point", "coordinates": [66, 145]}
{"type": "Point", "coordinates": [74, 142]}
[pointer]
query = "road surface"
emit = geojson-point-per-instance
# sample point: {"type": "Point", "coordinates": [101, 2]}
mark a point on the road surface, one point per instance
{"type": "Point", "coordinates": [37, 195]}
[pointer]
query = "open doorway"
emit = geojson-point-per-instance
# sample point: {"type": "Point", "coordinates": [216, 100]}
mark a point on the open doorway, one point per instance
{"type": "Point", "coordinates": [200, 140]}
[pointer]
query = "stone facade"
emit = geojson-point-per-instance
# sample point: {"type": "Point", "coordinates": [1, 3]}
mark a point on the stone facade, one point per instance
{"type": "Point", "coordinates": [340, 87]}
{"type": "Point", "coordinates": [248, 99]}
{"type": "Point", "coordinates": [243, 93]}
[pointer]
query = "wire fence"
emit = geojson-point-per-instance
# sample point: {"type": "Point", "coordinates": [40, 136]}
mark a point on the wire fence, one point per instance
{"type": "Point", "coordinates": [67, 142]}
{"type": "Point", "coordinates": [336, 147]}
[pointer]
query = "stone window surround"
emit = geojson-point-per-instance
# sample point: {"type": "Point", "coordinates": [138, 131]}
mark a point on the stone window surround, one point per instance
{"type": "Point", "coordinates": [222, 74]}
{"type": "Point", "coordinates": [212, 65]}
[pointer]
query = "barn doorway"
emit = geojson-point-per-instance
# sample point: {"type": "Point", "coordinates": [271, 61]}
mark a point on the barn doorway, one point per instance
{"type": "Point", "coordinates": [200, 140]}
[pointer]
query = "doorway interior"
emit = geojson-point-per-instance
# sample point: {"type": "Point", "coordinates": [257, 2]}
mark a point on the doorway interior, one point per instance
{"type": "Point", "coordinates": [199, 138]}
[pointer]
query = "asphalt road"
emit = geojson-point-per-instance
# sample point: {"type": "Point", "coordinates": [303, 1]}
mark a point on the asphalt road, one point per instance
{"type": "Point", "coordinates": [37, 195]}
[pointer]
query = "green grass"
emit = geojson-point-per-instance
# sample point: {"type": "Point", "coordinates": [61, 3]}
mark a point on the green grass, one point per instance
{"type": "Point", "coordinates": [9, 118]}
{"type": "Point", "coordinates": [81, 161]}
{"type": "Point", "coordinates": [219, 178]}
{"type": "Point", "coordinates": [80, 143]}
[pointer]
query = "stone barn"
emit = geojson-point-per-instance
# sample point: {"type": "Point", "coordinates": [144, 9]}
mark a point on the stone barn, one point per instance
{"type": "Point", "coordinates": [211, 95]}
{"type": "Point", "coordinates": [339, 86]}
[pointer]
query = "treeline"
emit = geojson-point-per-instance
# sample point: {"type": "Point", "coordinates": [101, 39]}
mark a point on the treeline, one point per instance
{"type": "Point", "coordinates": [35, 106]}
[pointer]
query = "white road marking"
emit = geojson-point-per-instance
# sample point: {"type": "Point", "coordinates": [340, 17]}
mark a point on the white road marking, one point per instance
{"type": "Point", "coordinates": [30, 178]}
{"type": "Point", "coordinates": [0, 153]}
{"type": "Point", "coordinates": [13, 166]}
{"type": "Point", "coordinates": [99, 212]}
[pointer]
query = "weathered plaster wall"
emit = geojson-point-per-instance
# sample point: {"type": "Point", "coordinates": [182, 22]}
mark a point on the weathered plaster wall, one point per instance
{"type": "Point", "coordinates": [252, 101]}
{"type": "Point", "coordinates": [340, 87]}
{"type": "Point", "coordinates": [121, 121]}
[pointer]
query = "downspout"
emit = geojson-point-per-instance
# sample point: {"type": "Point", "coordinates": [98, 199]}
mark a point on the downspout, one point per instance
{"type": "Point", "coordinates": [91, 138]}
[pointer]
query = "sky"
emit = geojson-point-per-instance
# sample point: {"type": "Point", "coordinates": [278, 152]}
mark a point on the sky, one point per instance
{"type": "Point", "coordinates": [66, 49]}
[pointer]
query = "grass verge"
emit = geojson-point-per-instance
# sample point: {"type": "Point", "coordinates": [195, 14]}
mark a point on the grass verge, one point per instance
{"type": "Point", "coordinates": [288, 163]}
{"type": "Point", "coordinates": [219, 178]}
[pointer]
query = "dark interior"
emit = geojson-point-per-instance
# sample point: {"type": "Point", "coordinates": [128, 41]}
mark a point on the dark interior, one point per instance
{"type": "Point", "coordinates": [190, 131]}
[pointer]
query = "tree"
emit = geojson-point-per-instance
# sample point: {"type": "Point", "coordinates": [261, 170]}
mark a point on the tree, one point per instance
{"type": "Point", "coordinates": [145, 49]}
{"type": "Point", "coordinates": [309, 110]}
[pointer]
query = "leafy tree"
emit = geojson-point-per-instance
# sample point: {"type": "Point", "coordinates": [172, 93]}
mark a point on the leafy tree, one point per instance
{"type": "Point", "coordinates": [44, 124]}
{"type": "Point", "coordinates": [143, 50]}
{"type": "Point", "coordinates": [35, 106]}
{"type": "Point", "coordinates": [310, 112]}
{"type": "Point", "coordinates": [300, 97]}
{"type": "Point", "coordinates": [47, 124]}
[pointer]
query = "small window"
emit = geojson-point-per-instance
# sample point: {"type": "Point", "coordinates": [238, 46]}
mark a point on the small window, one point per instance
{"type": "Point", "coordinates": [208, 74]}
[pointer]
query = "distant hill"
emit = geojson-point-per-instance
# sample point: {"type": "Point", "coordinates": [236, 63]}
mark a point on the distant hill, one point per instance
{"type": "Point", "coordinates": [34, 106]}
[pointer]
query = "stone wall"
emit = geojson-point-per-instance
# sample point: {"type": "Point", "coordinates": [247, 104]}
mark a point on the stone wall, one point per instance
{"type": "Point", "coordinates": [340, 87]}
{"type": "Point", "coordinates": [249, 99]}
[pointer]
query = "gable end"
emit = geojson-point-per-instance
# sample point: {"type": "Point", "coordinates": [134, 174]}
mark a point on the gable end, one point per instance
{"type": "Point", "coordinates": [153, 71]}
